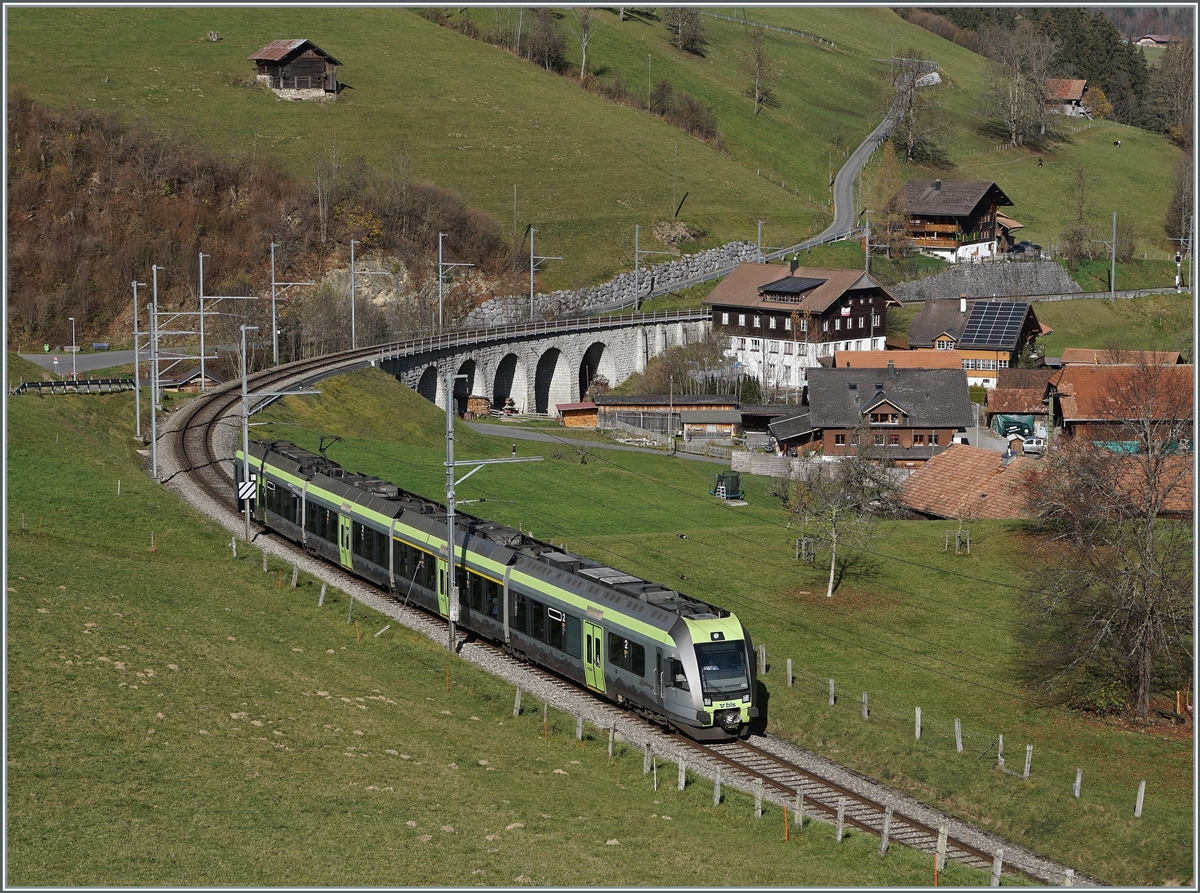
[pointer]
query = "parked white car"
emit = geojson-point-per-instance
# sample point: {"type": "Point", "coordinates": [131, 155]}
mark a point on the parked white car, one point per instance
{"type": "Point", "coordinates": [1033, 445]}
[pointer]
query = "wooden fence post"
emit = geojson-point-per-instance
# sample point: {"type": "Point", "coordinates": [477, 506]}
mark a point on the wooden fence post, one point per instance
{"type": "Point", "coordinates": [1028, 759]}
{"type": "Point", "coordinates": [800, 810]}
{"type": "Point", "coordinates": [1078, 783]}
{"type": "Point", "coordinates": [264, 562]}
{"type": "Point", "coordinates": [1137, 812]}
{"type": "Point", "coordinates": [1000, 752]}
{"type": "Point", "coordinates": [789, 672]}
{"type": "Point", "coordinates": [321, 600]}
{"type": "Point", "coordinates": [941, 848]}
{"type": "Point", "coordinates": [832, 697]}
{"type": "Point", "coordinates": [645, 755]}
{"type": "Point", "coordinates": [886, 832]}
{"type": "Point", "coordinates": [516, 704]}
{"type": "Point", "coordinates": [958, 734]}
{"type": "Point", "coordinates": [866, 713]}
{"type": "Point", "coordinates": [579, 729]}
{"type": "Point", "coordinates": [758, 795]}
{"type": "Point", "coordinates": [682, 775]}
{"type": "Point", "coordinates": [918, 723]}
{"type": "Point", "coordinates": [841, 818]}
{"type": "Point", "coordinates": [232, 542]}
{"type": "Point", "coordinates": [717, 790]}
{"type": "Point", "coordinates": [612, 735]}
{"type": "Point", "coordinates": [295, 575]}
{"type": "Point", "coordinates": [762, 659]}
{"type": "Point", "coordinates": [1069, 878]}
{"type": "Point", "coordinates": [997, 866]}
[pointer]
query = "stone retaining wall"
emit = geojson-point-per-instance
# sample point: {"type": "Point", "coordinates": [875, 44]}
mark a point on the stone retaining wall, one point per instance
{"type": "Point", "coordinates": [512, 309]}
{"type": "Point", "coordinates": [983, 280]}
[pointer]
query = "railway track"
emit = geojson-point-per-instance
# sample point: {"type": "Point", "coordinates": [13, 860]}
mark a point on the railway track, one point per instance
{"type": "Point", "coordinates": [198, 450]}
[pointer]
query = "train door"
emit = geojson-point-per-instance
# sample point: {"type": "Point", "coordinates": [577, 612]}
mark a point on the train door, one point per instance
{"type": "Point", "coordinates": [593, 653]}
{"type": "Point", "coordinates": [443, 593]}
{"type": "Point", "coordinates": [344, 540]}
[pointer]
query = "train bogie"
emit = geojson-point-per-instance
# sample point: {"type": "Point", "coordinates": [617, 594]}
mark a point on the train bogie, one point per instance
{"type": "Point", "coordinates": [681, 662]}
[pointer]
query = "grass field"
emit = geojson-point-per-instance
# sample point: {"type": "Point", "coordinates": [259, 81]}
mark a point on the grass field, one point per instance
{"type": "Point", "coordinates": [180, 718]}
{"type": "Point", "coordinates": [912, 625]}
{"type": "Point", "coordinates": [474, 118]}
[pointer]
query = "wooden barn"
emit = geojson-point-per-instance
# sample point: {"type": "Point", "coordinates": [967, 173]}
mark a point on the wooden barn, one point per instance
{"type": "Point", "coordinates": [296, 67]}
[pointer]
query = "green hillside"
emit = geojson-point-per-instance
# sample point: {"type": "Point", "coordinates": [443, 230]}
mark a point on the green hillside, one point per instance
{"type": "Point", "coordinates": [474, 118]}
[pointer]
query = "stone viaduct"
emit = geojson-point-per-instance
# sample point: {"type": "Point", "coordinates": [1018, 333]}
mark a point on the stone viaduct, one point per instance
{"type": "Point", "coordinates": [541, 364]}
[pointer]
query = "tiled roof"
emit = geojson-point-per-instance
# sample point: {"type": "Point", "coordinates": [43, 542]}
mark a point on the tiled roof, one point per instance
{"type": "Point", "coordinates": [950, 198]}
{"type": "Point", "coordinates": [969, 482]}
{"type": "Point", "coordinates": [931, 398]}
{"type": "Point", "coordinates": [1102, 356]}
{"type": "Point", "coordinates": [1102, 393]}
{"type": "Point", "coordinates": [936, 318]}
{"type": "Point", "coordinates": [902, 359]}
{"type": "Point", "coordinates": [278, 50]}
{"type": "Point", "coordinates": [792, 426]}
{"type": "Point", "coordinates": [1064, 90]}
{"type": "Point", "coordinates": [1015, 400]}
{"type": "Point", "coordinates": [1024, 379]}
{"type": "Point", "coordinates": [567, 407]}
{"type": "Point", "coordinates": [744, 287]}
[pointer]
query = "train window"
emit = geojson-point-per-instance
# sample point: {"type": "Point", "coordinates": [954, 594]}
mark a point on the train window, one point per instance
{"type": "Point", "coordinates": [492, 594]}
{"type": "Point", "coordinates": [556, 628]}
{"type": "Point", "coordinates": [518, 617]}
{"type": "Point", "coordinates": [537, 620]}
{"type": "Point", "coordinates": [573, 636]}
{"type": "Point", "coordinates": [677, 677]}
{"type": "Point", "coordinates": [627, 655]}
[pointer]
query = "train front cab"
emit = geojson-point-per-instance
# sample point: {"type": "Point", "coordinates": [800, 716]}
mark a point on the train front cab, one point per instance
{"type": "Point", "coordinates": [709, 684]}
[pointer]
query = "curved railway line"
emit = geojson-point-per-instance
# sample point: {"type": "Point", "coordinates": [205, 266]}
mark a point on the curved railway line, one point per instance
{"type": "Point", "coordinates": [196, 455]}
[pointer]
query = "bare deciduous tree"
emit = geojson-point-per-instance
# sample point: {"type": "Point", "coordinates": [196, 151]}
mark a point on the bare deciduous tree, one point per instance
{"type": "Point", "coordinates": [1117, 610]}
{"type": "Point", "coordinates": [1016, 93]}
{"type": "Point", "coordinates": [686, 29]}
{"type": "Point", "coordinates": [921, 124]}
{"type": "Point", "coordinates": [759, 67]}
{"type": "Point", "coordinates": [585, 21]}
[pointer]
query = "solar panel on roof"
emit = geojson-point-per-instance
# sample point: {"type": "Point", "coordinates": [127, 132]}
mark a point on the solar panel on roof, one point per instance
{"type": "Point", "coordinates": [792, 285]}
{"type": "Point", "coordinates": [995, 322]}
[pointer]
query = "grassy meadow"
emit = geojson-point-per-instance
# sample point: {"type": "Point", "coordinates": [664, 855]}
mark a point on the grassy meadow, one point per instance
{"type": "Point", "coordinates": [911, 625]}
{"type": "Point", "coordinates": [442, 107]}
{"type": "Point", "coordinates": [178, 717]}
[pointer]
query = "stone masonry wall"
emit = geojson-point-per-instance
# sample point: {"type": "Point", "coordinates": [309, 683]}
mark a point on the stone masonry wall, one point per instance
{"type": "Point", "coordinates": [1001, 278]}
{"type": "Point", "coordinates": [512, 309]}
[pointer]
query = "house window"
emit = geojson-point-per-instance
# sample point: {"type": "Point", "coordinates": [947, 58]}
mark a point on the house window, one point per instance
{"type": "Point", "coordinates": [787, 324]}
{"type": "Point", "coordinates": [771, 322]}
{"type": "Point", "coordinates": [944, 345]}
{"type": "Point", "coordinates": [885, 418]}
{"type": "Point", "coordinates": [754, 344]}
{"type": "Point", "coordinates": [803, 325]}
{"type": "Point", "coordinates": [758, 322]}
{"type": "Point", "coordinates": [824, 325]}
{"type": "Point", "coordinates": [933, 438]}
{"type": "Point", "coordinates": [968, 364]}
{"type": "Point", "coordinates": [879, 439]}
{"type": "Point", "coordinates": [724, 319]}
{"type": "Point", "coordinates": [839, 439]}
{"type": "Point", "coordinates": [741, 319]}
{"type": "Point", "coordinates": [787, 348]}
{"type": "Point", "coordinates": [875, 320]}
{"type": "Point", "coordinates": [860, 322]}
{"type": "Point", "coordinates": [893, 440]}
{"type": "Point", "coordinates": [1004, 364]}
{"type": "Point", "coordinates": [837, 324]}
{"type": "Point", "coordinates": [741, 343]}
{"type": "Point", "coordinates": [918, 440]}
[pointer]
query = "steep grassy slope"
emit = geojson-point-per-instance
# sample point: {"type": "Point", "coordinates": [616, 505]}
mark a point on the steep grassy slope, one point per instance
{"type": "Point", "coordinates": [476, 119]}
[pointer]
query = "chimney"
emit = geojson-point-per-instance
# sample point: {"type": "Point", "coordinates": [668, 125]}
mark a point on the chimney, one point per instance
{"type": "Point", "coordinates": [937, 184]}
{"type": "Point", "coordinates": [962, 303]}
{"type": "Point", "coordinates": [793, 264]}
{"type": "Point", "coordinates": [891, 368]}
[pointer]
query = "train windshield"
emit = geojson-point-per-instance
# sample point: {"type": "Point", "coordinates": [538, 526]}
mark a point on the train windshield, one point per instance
{"type": "Point", "coordinates": [723, 669]}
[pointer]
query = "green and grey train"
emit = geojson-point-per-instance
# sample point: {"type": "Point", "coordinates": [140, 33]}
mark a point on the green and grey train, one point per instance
{"type": "Point", "coordinates": [679, 661]}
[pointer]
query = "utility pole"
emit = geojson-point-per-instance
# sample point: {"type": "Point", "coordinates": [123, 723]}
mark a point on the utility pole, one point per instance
{"type": "Point", "coordinates": [637, 261]}
{"type": "Point", "coordinates": [202, 256]}
{"type": "Point", "coordinates": [246, 427]}
{"type": "Point", "coordinates": [281, 286]}
{"type": "Point", "coordinates": [441, 277]}
{"type": "Point", "coordinates": [154, 375]}
{"type": "Point", "coordinates": [534, 260]}
{"type": "Point", "coordinates": [137, 386]}
{"type": "Point", "coordinates": [353, 284]}
{"type": "Point", "coordinates": [1112, 247]}
{"type": "Point", "coordinates": [452, 595]}
{"type": "Point", "coordinates": [867, 243]}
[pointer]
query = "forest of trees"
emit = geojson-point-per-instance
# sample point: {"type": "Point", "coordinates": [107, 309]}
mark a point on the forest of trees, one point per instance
{"type": "Point", "coordinates": [93, 204]}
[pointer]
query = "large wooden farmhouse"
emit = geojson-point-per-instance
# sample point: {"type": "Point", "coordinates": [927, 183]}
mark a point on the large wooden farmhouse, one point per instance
{"type": "Point", "coordinates": [988, 335]}
{"type": "Point", "coordinates": [954, 219]}
{"type": "Point", "coordinates": [296, 69]}
{"type": "Point", "coordinates": [782, 320]}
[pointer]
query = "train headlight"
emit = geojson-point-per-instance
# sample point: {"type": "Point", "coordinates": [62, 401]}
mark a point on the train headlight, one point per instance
{"type": "Point", "coordinates": [745, 699]}
{"type": "Point", "coordinates": [708, 702]}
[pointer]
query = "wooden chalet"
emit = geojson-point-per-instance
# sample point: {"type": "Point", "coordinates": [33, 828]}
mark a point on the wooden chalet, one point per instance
{"type": "Point", "coordinates": [1064, 96]}
{"type": "Point", "coordinates": [910, 414]}
{"type": "Point", "coordinates": [781, 321]}
{"type": "Point", "coordinates": [954, 219]}
{"type": "Point", "coordinates": [1097, 401]}
{"type": "Point", "coordinates": [988, 335]}
{"type": "Point", "coordinates": [296, 68]}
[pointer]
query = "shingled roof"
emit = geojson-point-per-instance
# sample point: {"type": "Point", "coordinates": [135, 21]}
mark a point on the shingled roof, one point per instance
{"type": "Point", "coordinates": [929, 398]}
{"type": "Point", "coordinates": [901, 359]}
{"type": "Point", "coordinates": [1103, 356]}
{"type": "Point", "coordinates": [951, 198]}
{"type": "Point", "coordinates": [805, 289]}
{"type": "Point", "coordinates": [1064, 90]}
{"type": "Point", "coordinates": [278, 50]}
{"type": "Point", "coordinates": [986, 325]}
{"type": "Point", "coordinates": [969, 482]}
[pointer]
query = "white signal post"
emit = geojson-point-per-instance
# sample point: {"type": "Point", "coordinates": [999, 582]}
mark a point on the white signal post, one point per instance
{"type": "Point", "coordinates": [534, 260]}
{"type": "Point", "coordinates": [452, 611]}
{"type": "Point", "coordinates": [74, 349]}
